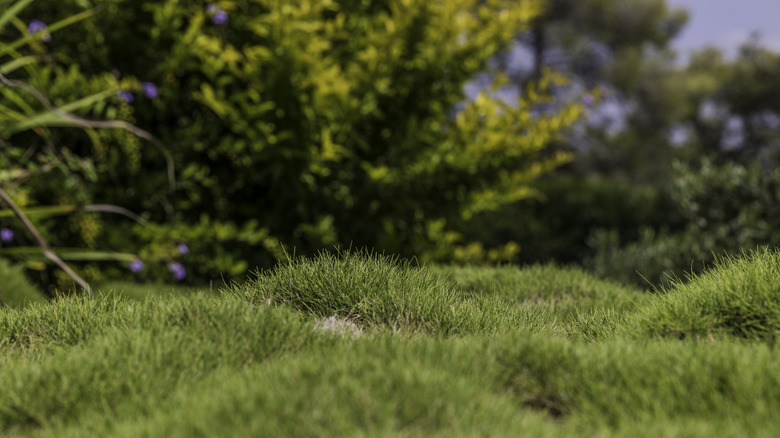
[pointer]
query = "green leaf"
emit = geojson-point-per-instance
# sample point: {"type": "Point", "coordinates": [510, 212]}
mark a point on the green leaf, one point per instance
{"type": "Point", "coordinates": [53, 118]}
{"type": "Point", "coordinates": [12, 11]}
{"type": "Point", "coordinates": [45, 211]}
{"type": "Point", "coordinates": [17, 63]}
{"type": "Point", "coordinates": [35, 253]}
{"type": "Point", "coordinates": [54, 27]}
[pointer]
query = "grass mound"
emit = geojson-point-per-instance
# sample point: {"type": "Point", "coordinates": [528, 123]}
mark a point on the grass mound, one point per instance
{"type": "Point", "coordinates": [80, 360]}
{"type": "Point", "coordinates": [738, 297]}
{"type": "Point", "coordinates": [564, 288]}
{"type": "Point", "coordinates": [313, 349]}
{"type": "Point", "coordinates": [572, 302]}
{"type": "Point", "coordinates": [15, 289]}
{"type": "Point", "coordinates": [624, 382]}
{"type": "Point", "coordinates": [374, 290]}
{"type": "Point", "coordinates": [136, 291]}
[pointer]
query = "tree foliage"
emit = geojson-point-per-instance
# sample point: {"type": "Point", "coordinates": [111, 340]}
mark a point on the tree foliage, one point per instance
{"type": "Point", "coordinates": [310, 124]}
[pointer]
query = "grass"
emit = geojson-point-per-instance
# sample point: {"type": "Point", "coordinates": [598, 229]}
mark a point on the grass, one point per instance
{"type": "Point", "coordinates": [740, 297]}
{"type": "Point", "coordinates": [363, 344]}
{"type": "Point", "coordinates": [15, 289]}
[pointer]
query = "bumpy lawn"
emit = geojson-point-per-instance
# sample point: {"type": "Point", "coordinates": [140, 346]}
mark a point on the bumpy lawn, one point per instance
{"type": "Point", "coordinates": [362, 344]}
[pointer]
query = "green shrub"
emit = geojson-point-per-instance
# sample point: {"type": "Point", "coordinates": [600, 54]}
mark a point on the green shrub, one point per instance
{"type": "Point", "coordinates": [725, 208]}
{"type": "Point", "coordinates": [556, 225]}
{"type": "Point", "coordinates": [15, 289]}
{"type": "Point", "coordinates": [39, 170]}
{"type": "Point", "coordinates": [655, 259]}
{"type": "Point", "coordinates": [315, 123]}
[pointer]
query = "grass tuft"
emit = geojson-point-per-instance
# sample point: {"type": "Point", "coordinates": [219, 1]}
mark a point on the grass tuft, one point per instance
{"type": "Point", "coordinates": [738, 297]}
{"type": "Point", "coordinates": [374, 290]}
{"type": "Point", "coordinates": [571, 301]}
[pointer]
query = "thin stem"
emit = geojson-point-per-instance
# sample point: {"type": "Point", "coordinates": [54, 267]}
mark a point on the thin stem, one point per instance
{"type": "Point", "coordinates": [115, 209]}
{"type": "Point", "coordinates": [43, 245]}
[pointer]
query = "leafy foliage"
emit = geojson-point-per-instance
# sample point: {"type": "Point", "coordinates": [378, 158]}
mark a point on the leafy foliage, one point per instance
{"type": "Point", "coordinates": [726, 208]}
{"type": "Point", "coordinates": [34, 167]}
{"type": "Point", "coordinates": [557, 223]}
{"type": "Point", "coordinates": [316, 124]}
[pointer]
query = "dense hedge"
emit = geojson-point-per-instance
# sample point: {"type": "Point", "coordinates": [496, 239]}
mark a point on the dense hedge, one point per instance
{"type": "Point", "coordinates": [310, 124]}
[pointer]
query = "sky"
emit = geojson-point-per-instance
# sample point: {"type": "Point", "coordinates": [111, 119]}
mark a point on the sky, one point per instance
{"type": "Point", "coordinates": [727, 24]}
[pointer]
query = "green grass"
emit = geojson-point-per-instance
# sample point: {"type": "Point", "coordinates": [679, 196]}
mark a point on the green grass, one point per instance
{"type": "Point", "coordinates": [739, 297]}
{"type": "Point", "coordinates": [365, 345]}
{"type": "Point", "coordinates": [15, 289]}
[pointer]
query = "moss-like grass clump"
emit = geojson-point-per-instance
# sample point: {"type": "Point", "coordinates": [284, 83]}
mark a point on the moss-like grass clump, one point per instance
{"type": "Point", "coordinates": [738, 297]}
{"type": "Point", "coordinates": [363, 344]}
{"type": "Point", "coordinates": [378, 291]}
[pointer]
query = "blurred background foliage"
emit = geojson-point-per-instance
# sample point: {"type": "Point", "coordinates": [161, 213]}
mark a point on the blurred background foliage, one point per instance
{"type": "Point", "coordinates": [320, 123]}
{"type": "Point", "coordinates": [307, 124]}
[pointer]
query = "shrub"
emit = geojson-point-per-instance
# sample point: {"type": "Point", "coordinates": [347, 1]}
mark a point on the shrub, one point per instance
{"type": "Point", "coordinates": [556, 225]}
{"type": "Point", "coordinates": [315, 123]}
{"type": "Point", "coordinates": [39, 172]}
{"type": "Point", "coordinates": [725, 208]}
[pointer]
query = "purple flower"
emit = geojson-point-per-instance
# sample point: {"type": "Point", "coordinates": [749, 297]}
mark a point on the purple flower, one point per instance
{"type": "Point", "coordinates": [587, 100]}
{"type": "Point", "coordinates": [126, 96]}
{"type": "Point", "coordinates": [218, 16]}
{"type": "Point", "coordinates": [39, 26]}
{"type": "Point", "coordinates": [183, 249]}
{"type": "Point", "coordinates": [136, 266]}
{"type": "Point", "coordinates": [6, 235]}
{"type": "Point", "coordinates": [150, 90]}
{"type": "Point", "coordinates": [177, 270]}
{"type": "Point", "coordinates": [221, 17]}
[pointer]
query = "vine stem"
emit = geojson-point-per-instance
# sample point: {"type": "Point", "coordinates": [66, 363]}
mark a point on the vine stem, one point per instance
{"type": "Point", "coordinates": [47, 251]}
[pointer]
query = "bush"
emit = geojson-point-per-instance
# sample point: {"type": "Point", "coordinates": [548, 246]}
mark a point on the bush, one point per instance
{"type": "Point", "coordinates": [555, 225]}
{"type": "Point", "coordinates": [725, 208]}
{"type": "Point", "coordinates": [40, 173]}
{"type": "Point", "coordinates": [315, 124]}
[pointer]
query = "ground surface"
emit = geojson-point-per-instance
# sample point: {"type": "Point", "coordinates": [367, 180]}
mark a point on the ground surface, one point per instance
{"type": "Point", "coordinates": [364, 345]}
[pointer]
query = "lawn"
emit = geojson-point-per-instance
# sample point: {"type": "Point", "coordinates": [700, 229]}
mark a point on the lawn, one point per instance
{"type": "Point", "coordinates": [366, 345]}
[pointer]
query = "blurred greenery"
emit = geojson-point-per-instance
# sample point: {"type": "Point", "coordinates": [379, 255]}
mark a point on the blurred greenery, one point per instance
{"type": "Point", "coordinates": [31, 151]}
{"type": "Point", "coordinates": [726, 208]}
{"type": "Point", "coordinates": [290, 128]}
{"type": "Point", "coordinates": [310, 125]}
{"type": "Point", "coordinates": [15, 289]}
{"type": "Point", "coordinates": [622, 205]}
